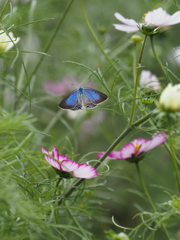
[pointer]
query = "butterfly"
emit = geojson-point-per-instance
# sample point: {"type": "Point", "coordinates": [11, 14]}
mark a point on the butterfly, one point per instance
{"type": "Point", "coordinates": [82, 97]}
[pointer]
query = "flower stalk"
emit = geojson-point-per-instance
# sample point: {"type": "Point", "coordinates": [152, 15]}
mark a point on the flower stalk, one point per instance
{"type": "Point", "coordinates": [156, 56]}
{"type": "Point", "coordinates": [55, 211]}
{"type": "Point", "coordinates": [173, 154]}
{"type": "Point", "coordinates": [144, 188]}
{"type": "Point", "coordinates": [148, 197]}
{"type": "Point", "coordinates": [137, 80]}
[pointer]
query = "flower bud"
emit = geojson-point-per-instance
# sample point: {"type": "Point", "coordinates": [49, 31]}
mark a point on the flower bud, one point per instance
{"type": "Point", "coordinates": [170, 98]}
{"type": "Point", "coordinates": [123, 236]}
{"type": "Point", "coordinates": [5, 41]}
{"type": "Point", "coordinates": [114, 236]}
{"type": "Point", "coordinates": [136, 38]}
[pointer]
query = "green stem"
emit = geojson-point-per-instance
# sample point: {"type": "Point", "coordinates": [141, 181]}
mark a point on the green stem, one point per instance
{"type": "Point", "coordinates": [55, 211]}
{"type": "Point", "coordinates": [145, 189]}
{"type": "Point", "coordinates": [134, 64]}
{"type": "Point", "coordinates": [156, 56]}
{"type": "Point", "coordinates": [28, 43]}
{"type": "Point", "coordinates": [176, 4]}
{"type": "Point", "coordinates": [3, 10]}
{"type": "Point", "coordinates": [149, 198]}
{"type": "Point", "coordinates": [114, 144]}
{"type": "Point", "coordinates": [77, 223]}
{"type": "Point", "coordinates": [100, 46]}
{"type": "Point", "coordinates": [172, 153]}
{"type": "Point", "coordinates": [137, 80]}
{"type": "Point", "coordinates": [51, 39]}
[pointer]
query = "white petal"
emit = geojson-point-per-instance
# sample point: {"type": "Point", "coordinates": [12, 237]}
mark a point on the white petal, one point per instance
{"type": "Point", "coordinates": [10, 44]}
{"type": "Point", "coordinates": [130, 22]}
{"type": "Point", "coordinates": [149, 80]}
{"type": "Point", "coordinates": [144, 76]}
{"type": "Point", "coordinates": [126, 28]}
{"type": "Point", "coordinates": [175, 18]}
{"type": "Point", "coordinates": [158, 17]}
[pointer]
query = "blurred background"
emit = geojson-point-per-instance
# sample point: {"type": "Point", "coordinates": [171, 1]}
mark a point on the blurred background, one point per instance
{"type": "Point", "coordinates": [117, 192]}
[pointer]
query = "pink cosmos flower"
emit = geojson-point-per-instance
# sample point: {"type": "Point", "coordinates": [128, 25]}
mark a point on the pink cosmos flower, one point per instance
{"type": "Point", "coordinates": [148, 80]}
{"type": "Point", "coordinates": [66, 165]}
{"type": "Point", "coordinates": [132, 150]}
{"type": "Point", "coordinates": [157, 18]}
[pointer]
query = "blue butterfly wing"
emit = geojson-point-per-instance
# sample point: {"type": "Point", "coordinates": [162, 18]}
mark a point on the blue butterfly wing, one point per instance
{"type": "Point", "coordinates": [92, 97]}
{"type": "Point", "coordinates": [71, 101]}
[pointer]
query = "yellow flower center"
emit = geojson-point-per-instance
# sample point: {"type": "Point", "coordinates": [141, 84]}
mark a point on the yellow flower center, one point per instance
{"type": "Point", "coordinates": [59, 161]}
{"type": "Point", "coordinates": [137, 146]}
{"type": "Point", "coordinates": [143, 17]}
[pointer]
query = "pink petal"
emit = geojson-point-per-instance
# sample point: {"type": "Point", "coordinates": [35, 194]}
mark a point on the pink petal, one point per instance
{"type": "Point", "coordinates": [152, 143]}
{"type": "Point", "coordinates": [52, 162]}
{"type": "Point", "coordinates": [127, 151]}
{"type": "Point", "coordinates": [57, 156]}
{"type": "Point", "coordinates": [99, 155]}
{"type": "Point", "coordinates": [138, 141]}
{"type": "Point", "coordinates": [112, 155]}
{"type": "Point", "coordinates": [85, 171]}
{"type": "Point", "coordinates": [130, 22]}
{"type": "Point", "coordinates": [45, 151]}
{"type": "Point", "coordinates": [63, 157]}
{"type": "Point", "coordinates": [126, 28]}
{"type": "Point", "coordinates": [55, 153]}
{"type": "Point", "coordinates": [69, 166]}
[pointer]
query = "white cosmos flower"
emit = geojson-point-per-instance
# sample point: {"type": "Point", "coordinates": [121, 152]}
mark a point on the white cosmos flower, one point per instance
{"type": "Point", "coordinates": [170, 98]}
{"type": "Point", "coordinates": [5, 41]}
{"type": "Point", "coordinates": [156, 18]}
{"type": "Point", "coordinates": [148, 80]}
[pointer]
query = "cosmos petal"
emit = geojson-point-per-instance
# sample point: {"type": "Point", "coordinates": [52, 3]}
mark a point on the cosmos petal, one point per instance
{"type": "Point", "coordinates": [63, 157]}
{"type": "Point", "coordinates": [138, 141]}
{"type": "Point", "coordinates": [69, 166]}
{"type": "Point", "coordinates": [158, 17]}
{"type": "Point", "coordinates": [152, 143]}
{"type": "Point", "coordinates": [78, 170]}
{"type": "Point", "coordinates": [112, 155]}
{"type": "Point", "coordinates": [45, 151]}
{"type": "Point", "coordinates": [175, 18]}
{"type": "Point", "coordinates": [52, 162]}
{"type": "Point", "coordinates": [99, 155]}
{"type": "Point", "coordinates": [126, 28]}
{"type": "Point", "coordinates": [55, 153]}
{"type": "Point", "coordinates": [85, 171]}
{"type": "Point", "coordinates": [130, 22]}
{"type": "Point", "coordinates": [127, 151]}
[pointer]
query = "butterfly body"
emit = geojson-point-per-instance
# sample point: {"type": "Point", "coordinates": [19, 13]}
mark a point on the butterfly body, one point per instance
{"type": "Point", "coordinates": [82, 98]}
